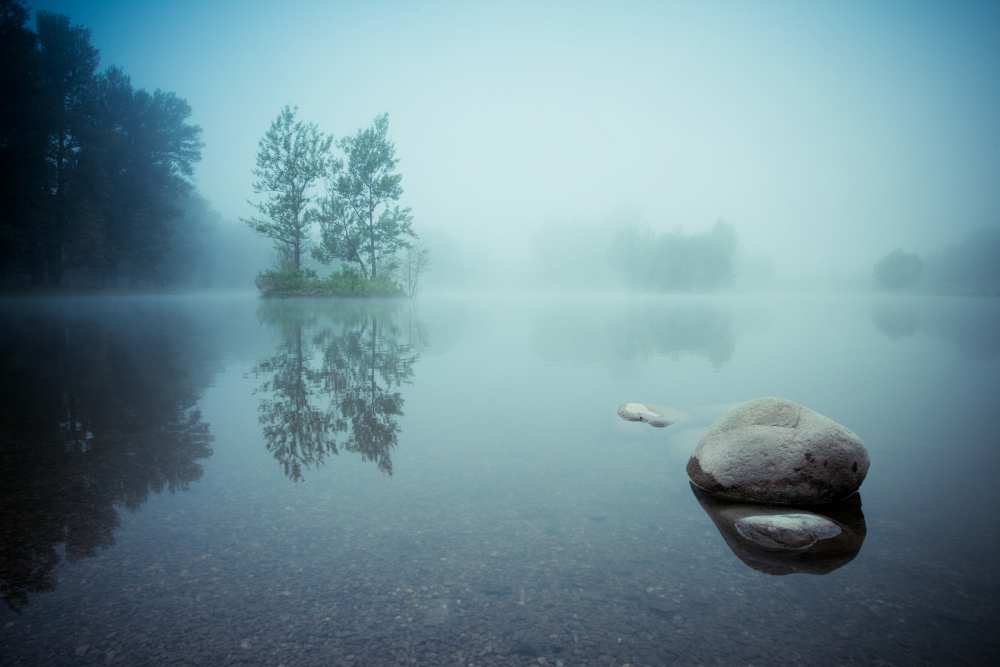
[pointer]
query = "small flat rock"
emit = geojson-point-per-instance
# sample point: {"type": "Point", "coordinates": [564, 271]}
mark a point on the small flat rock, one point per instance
{"type": "Point", "coordinates": [786, 532]}
{"type": "Point", "coordinates": [650, 414]}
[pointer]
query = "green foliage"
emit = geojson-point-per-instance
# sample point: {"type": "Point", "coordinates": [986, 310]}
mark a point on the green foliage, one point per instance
{"type": "Point", "coordinates": [898, 270]}
{"type": "Point", "coordinates": [359, 220]}
{"type": "Point", "coordinates": [306, 282]}
{"type": "Point", "coordinates": [360, 223]}
{"type": "Point", "coordinates": [146, 160]}
{"type": "Point", "coordinates": [286, 281]}
{"type": "Point", "coordinates": [291, 157]}
{"type": "Point", "coordinates": [348, 282]}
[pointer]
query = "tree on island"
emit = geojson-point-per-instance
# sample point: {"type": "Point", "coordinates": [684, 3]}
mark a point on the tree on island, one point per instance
{"type": "Point", "coordinates": [360, 221]}
{"type": "Point", "coordinates": [291, 158]}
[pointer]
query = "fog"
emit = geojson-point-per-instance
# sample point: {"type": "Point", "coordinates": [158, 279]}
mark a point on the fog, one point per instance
{"type": "Point", "coordinates": [517, 333]}
{"type": "Point", "coordinates": [529, 136]}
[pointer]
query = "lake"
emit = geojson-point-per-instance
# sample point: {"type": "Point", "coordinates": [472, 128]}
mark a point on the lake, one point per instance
{"type": "Point", "coordinates": [221, 479]}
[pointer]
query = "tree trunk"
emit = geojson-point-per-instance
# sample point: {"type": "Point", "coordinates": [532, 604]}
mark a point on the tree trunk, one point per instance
{"type": "Point", "coordinates": [54, 240]}
{"type": "Point", "coordinates": [371, 238]}
{"type": "Point", "coordinates": [297, 246]}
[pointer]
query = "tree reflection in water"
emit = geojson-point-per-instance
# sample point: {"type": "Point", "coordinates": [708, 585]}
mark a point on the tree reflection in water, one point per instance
{"type": "Point", "coordinates": [334, 380]}
{"type": "Point", "coordinates": [99, 411]}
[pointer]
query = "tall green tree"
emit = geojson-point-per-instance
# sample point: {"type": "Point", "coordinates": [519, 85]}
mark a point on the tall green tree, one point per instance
{"type": "Point", "coordinates": [291, 158]}
{"type": "Point", "coordinates": [161, 148]}
{"type": "Point", "coordinates": [22, 144]}
{"type": "Point", "coordinates": [91, 169]}
{"type": "Point", "coordinates": [68, 62]}
{"type": "Point", "coordinates": [135, 169]}
{"type": "Point", "coordinates": [360, 221]}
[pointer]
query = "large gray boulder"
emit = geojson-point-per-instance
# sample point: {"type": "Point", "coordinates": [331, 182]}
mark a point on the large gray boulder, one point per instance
{"type": "Point", "coordinates": [774, 451]}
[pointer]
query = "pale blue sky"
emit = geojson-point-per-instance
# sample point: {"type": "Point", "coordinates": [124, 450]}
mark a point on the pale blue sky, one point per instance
{"type": "Point", "coordinates": [828, 133]}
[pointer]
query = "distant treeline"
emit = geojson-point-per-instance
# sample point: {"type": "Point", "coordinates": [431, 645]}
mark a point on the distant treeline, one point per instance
{"type": "Point", "coordinates": [970, 266]}
{"type": "Point", "coordinates": [676, 261]}
{"type": "Point", "coordinates": [95, 186]}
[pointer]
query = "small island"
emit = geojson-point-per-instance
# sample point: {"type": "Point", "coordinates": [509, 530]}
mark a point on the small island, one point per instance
{"type": "Point", "coordinates": [352, 197]}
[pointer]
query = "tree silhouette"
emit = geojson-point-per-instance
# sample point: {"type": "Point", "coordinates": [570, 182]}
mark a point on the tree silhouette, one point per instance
{"type": "Point", "coordinates": [92, 170]}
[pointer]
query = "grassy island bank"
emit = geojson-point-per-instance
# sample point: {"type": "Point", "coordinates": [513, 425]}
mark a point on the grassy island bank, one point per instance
{"type": "Point", "coordinates": [344, 283]}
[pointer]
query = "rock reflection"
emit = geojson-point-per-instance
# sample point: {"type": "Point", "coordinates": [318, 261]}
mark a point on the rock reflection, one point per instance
{"type": "Point", "coordinates": [822, 557]}
{"type": "Point", "coordinates": [333, 381]}
{"type": "Point", "coordinates": [99, 411]}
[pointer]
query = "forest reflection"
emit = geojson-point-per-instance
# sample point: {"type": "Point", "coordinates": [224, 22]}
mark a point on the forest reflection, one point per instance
{"type": "Point", "coordinates": [967, 324]}
{"type": "Point", "coordinates": [100, 410]}
{"type": "Point", "coordinates": [333, 382]}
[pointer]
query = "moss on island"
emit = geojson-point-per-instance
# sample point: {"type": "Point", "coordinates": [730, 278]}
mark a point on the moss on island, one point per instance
{"type": "Point", "coordinates": [306, 282]}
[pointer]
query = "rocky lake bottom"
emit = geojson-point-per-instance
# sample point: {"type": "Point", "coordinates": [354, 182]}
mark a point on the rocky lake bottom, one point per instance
{"type": "Point", "coordinates": [224, 480]}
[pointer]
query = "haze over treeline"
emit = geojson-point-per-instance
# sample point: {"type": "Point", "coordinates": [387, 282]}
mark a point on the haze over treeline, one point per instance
{"type": "Point", "coordinates": [650, 147]}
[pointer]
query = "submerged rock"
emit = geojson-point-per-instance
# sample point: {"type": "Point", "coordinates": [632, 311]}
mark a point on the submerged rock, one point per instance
{"type": "Point", "coordinates": [786, 532]}
{"type": "Point", "coordinates": [650, 414]}
{"type": "Point", "coordinates": [783, 540]}
{"type": "Point", "coordinates": [771, 450]}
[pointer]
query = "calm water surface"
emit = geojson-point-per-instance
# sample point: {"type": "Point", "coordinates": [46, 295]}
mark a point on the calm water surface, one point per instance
{"type": "Point", "coordinates": [223, 480]}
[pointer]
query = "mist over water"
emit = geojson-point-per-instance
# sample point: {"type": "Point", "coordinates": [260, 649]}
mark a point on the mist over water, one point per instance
{"type": "Point", "coordinates": [318, 323]}
{"type": "Point", "coordinates": [447, 480]}
{"type": "Point", "coordinates": [529, 135]}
